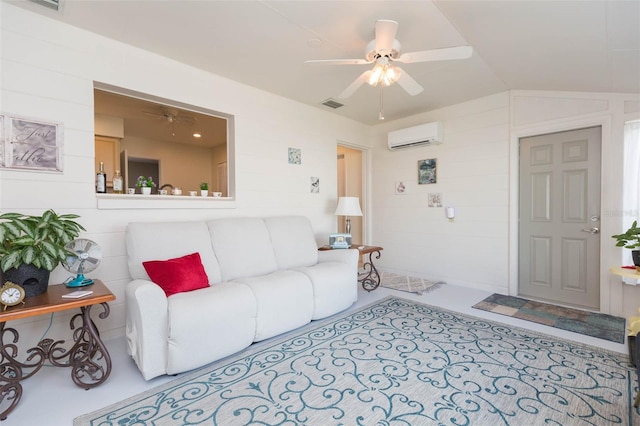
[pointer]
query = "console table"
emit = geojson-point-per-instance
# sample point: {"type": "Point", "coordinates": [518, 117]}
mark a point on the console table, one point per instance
{"type": "Point", "coordinates": [369, 277]}
{"type": "Point", "coordinates": [88, 357]}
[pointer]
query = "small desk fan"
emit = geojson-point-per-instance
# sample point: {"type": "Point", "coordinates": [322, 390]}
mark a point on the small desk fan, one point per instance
{"type": "Point", "coordinates": [84, 256]}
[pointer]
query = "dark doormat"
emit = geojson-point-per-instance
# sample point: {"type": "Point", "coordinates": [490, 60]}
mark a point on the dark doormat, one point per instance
{"type": "Point", "coordinates": [593, 324]}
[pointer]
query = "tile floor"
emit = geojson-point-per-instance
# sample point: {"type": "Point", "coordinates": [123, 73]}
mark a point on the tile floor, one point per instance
{"type": "Point", "coordinates": [50, 398]}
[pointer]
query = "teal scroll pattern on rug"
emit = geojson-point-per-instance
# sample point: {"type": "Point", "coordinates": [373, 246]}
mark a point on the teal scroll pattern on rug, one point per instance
{"type": "Point", "coordinates": [396, 362]}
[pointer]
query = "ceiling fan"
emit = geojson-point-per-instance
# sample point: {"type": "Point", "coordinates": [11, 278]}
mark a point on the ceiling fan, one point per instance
{"type": "Point", "coordinates": [383, 51]}
{"type": "Point", "coordinates": [173, 116]}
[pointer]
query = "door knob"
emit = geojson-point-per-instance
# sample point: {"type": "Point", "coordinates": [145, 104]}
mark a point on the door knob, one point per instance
{"type": "Point", "coordinates": [592, 230]}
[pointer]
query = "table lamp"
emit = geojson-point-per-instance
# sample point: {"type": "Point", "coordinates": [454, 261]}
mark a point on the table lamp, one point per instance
{"type": "Point", "coordinates": [348, 206]}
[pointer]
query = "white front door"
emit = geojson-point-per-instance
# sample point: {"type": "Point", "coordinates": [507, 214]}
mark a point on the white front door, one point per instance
{"type": "Point", "coordinates": [559, 212]}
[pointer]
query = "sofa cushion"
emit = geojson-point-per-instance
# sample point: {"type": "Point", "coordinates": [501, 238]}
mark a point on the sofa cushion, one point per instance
{"type": "Point", "coordinates": [178, 275]}
{"type": "Point", "coordinates": [166, 240]}
{"type": "Point", "coordinates": [209, 324]}
{"type": "Point", "coordinates": [242, 246]}
{"type": "Point", "coordinates": [293, 242]}
{"type": "Point", "coordinates": [335, 287]}
{"type": "Point", "coordinates": [284, 301]}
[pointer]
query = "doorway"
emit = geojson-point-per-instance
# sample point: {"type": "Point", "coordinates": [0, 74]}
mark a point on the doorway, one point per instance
{"type": "Point", "coordinates": [559, 217]}
{"type": "Point", "coordinates": [350, 184]}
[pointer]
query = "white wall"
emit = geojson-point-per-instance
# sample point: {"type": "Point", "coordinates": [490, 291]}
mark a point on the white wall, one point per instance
{"type": "Point", "coordinates": [48, 71]}
{"type": "Point", "coordinates": [472, 176]}
{"type": "Point", "coordinates": [478, 175]}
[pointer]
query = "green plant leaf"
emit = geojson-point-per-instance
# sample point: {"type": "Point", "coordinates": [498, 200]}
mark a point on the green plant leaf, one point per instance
{"type": "Point", "coordinates": [48, 216]}
{"type": "Point", "coordinates": [26, 228]}
{"type": "Point", "coordinates": [24, 241]}
{"type": "Point", "coordinates": [49, 248]}
{"type": "Point", "coordinates": [28, 255]}
{"type": "Point", "coordinates": [13, 229]}
{"type": "Point", "coordinates": [37, 264]}
{"type": "Point", "coordinates": [11, 260]}
{"type": "Point", "coordinates": [48, 262]}
{"type": "Point", "coordinates": [10, 216]}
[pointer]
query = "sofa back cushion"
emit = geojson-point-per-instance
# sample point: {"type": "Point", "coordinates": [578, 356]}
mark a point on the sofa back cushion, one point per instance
{"type": "Point", "coordinates": [166, 240]}
{"type": "Point", "coordinates": [242, 246]}
{"type": "Point", "coordinates": [293, 242]}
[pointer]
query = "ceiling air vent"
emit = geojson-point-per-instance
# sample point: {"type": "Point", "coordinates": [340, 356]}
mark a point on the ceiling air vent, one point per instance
{"type": "Point", "coordinates": [51, 4]}
{"type": "Point", "coordinates": [331, 103]}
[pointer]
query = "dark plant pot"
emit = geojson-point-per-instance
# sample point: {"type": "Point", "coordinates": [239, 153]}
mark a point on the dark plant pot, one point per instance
{"type": "Point", "coordinates": [635, 254]}
{"type": "Point", "coordinates": [34, 280]}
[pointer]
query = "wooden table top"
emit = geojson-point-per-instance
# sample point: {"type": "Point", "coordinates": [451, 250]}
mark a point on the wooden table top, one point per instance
{"type": "Point", "coordinates": [362, 249]}
{"type": "Point", "coordinates": [52, 301]}
{"type": "Point", "coordinates": [625, 272]}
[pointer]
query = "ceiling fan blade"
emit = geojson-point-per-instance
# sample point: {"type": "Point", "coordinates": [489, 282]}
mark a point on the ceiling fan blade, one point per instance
{"type": "Point", "coordinates": [385, 35]}
{"type": "Point", "coordinates": [186, 119]}
{"type": "Point", "coordinates": [153, 114]}
{"type": "Point", "coordinates": [444, 54]}
{"type": "Point", "coordinates": [350, 90]}
{"type": "Point", "coordinates": [338, 62]}
{"type": "Point", "coordinates": [408, 83]}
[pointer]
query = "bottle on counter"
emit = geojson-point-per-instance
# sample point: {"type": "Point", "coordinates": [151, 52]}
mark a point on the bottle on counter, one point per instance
{"type": "Point", "coordinates": [117, 183]}
{"type": "Point", "coordinates": [101, 180]}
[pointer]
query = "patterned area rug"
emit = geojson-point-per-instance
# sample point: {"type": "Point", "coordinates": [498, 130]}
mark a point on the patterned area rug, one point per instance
{"type": "Point", "coordinates": [593, 324]}
{"type": "Point", "coordinates": [396, 362]}
{"type": "Point", "coordinates": [408, 284]}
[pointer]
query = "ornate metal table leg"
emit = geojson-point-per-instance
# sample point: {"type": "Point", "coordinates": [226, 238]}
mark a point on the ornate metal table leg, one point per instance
{"type": "Point", "coordinates": [370, 278]}
{"type": "Point", "coordinates": [88, 357]}
{"type": "Point", "coordinates": [12, 372]}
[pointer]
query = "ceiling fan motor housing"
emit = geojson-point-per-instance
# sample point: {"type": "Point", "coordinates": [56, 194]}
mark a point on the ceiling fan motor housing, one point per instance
{"type": "Point", "coordinates": [371, 54]}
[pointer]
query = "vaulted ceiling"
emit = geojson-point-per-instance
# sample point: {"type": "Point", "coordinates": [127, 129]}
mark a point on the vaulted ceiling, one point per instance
{"type": "Point", "coordinates": [590, 46]}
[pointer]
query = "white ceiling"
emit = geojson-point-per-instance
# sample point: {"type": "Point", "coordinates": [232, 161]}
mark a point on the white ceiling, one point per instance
{"type": "Point", "coordinates": [591, 45]}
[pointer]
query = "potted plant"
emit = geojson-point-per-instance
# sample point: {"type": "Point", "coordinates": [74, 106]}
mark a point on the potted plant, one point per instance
{"type": "Point", "coordinates": [32, 246]}
{"type": "Point", "coordinates": [204, 189]}
{"type": "Point", "coordinates": [145, 184]}
{"type": "Point", "coordinates": [631, 240]}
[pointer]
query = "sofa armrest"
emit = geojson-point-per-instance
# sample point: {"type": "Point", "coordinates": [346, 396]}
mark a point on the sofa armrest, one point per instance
{"type": "Point", "coordinates": [346, 256]}
{"type": "Point", "coordinates": [339, 255]}
{"type": "Point", "coordinates": [146, 327]}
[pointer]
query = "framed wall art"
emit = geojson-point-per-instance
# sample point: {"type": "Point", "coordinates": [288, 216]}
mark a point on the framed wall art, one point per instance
{"type": "Point", "coordinates": [31, 144]}
{"type": "Point", "coordinates": [295, 156]}
{"type": "Point", "coordinates": [427, 171]}
{"type": "Point", "coordinates": [315, 185]}
{"type": "Point", "coordinates": [434, 199]}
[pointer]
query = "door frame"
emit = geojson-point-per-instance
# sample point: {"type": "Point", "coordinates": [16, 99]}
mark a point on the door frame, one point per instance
{"type": "Point", "coordinates": [607, 222]}
{"type": "Point", "coordinates": [366, 187]}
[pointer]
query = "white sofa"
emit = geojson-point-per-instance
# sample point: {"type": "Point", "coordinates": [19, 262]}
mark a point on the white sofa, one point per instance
{"type": "Point", "coordinates": [266, 276]}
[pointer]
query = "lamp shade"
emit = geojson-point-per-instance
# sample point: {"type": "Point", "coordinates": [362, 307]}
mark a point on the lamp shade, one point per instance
{"type": "Point", "coordinates": [348, 206]}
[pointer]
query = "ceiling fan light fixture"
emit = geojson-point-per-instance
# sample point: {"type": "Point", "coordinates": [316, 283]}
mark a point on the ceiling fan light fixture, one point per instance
{"type": "Point", "coordinates": [384, 74]}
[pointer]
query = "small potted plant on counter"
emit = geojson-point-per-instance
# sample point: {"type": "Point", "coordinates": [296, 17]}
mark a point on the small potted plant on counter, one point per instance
{"type": "Point", "coordinates": [204, 189]}
{"type": "Point", "coordinates": [32, 246]}
{"type": "Point", "coordinates": [631, 240]}
{"type": "Point", "coordinates": [145, 184]}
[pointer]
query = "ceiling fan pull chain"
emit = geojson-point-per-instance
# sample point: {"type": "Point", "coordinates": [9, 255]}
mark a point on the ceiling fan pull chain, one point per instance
{"type": "Point", "coordinates": [381, 114]}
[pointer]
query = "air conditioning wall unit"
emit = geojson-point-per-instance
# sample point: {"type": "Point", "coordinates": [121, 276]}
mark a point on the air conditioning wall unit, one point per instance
{"type": "Point", "coordinates": [424, 134]}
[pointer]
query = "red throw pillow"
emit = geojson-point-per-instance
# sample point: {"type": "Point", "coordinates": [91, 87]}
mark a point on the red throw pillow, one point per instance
{"type": "Point", "coordinates": [177, 275]}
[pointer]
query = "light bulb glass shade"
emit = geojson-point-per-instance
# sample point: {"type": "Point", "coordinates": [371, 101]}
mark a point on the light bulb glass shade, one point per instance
{"type": "Point", "coordinates": [384, 74]}
{"type": "Point", "coordinates": [348, 206]}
